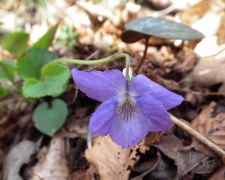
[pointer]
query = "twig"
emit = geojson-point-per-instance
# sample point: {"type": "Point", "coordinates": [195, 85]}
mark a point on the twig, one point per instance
{"type": "Point", "coordinates": [144, 55]}
{"type": "Point", "coordinates": [198, 136]}
{"type": "Point", "coordinates": [93, 54]}
{"type": "Point", "coordinates": [74, 97]}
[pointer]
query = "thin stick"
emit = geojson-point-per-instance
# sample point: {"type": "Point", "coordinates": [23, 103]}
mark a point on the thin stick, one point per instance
{"type": "Point", "coordinates": [198, 136]}
{"type": "Point", "coordinates": [144, 55]}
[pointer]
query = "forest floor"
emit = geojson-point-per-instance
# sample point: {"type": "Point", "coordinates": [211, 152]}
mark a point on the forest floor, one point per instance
{"type": "Point", "coordinates": [87, 30]}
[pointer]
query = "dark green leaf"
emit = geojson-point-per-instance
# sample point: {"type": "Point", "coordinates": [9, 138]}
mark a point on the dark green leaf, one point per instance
{"type": "Point", "coordinates": [53, 81]}
{"type": "Point", "coordinates": [7, 70]}
{"type": "Point", "coordinates": [158, 27]}
{"type": "Point", "coordinates": [50, 118]}
{"type": "Point", "coordinates": [15, 43]}
{"type": "Point", "coordinates": [46, 40]}
{"type": "Point", "coordinates": [31, 61]}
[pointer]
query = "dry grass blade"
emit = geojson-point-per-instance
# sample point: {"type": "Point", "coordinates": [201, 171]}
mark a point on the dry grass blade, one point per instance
{"type": "Point", "coordinates": [186, 126]}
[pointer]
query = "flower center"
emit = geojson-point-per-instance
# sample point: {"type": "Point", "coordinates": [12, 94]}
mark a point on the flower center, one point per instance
{"type": "Point", "coordinates": [127, 108]}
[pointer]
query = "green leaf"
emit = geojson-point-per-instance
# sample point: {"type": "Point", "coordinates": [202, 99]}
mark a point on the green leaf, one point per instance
{"type": "Point", "coordinates": [32, 60]}
{"type": "Point", "coordinates": [50, 118]}
{"type": "Point", "coordinates": [15, 43]}
{"type": "Point", "coordinates": [52, 83]}
{"type": "Point", "coordinates": [158, 27]}
{"type": "Point", "coordinates": [46, 40]}
{"type": "Point", "coordinates": [7, 70]}
{"type": "Point", "coordinates": [4, 93]}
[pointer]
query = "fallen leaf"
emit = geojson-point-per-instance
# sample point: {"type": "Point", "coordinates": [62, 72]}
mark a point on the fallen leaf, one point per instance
{"type": "Point", "coordinates": [152, 137]}
{"type": "Point", "coordinates": [218, 175]}
{"type": "Point", "coordinates": [205, 74]}
{"type": "Point", "coordinates": [160, 60]}
{"type": "Point", "coordinates": [18, 156]}
{"type": "Point", "coordinates": [78, 175]}
{"type": "Point", "coordinates": [161, 169]}
{"type": "Point", "coordinates": [118, 14]}
{"type": "Point", "coordinates": [211, 125]}
{"type": "Point", "coordinates": [188, 63]}
{"type": "Point", "coordinates": [54, 165]}
{"type": "Point", "coordinates": [186, 160]}
{"type": "Point", "coordinates": [198, 17]}
{"type": "Point", "coordinates": [111, 160]}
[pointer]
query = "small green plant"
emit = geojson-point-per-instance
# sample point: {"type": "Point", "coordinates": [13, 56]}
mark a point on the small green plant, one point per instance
{"type": "Point", "coordinates": [39, 80]}
{"type": "Point", "coordinates": [68, 37]}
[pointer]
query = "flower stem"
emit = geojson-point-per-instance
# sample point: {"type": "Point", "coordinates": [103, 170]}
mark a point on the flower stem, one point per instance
{"type": "Point", "coordinates": [91, 62]}
{"type": "Point", "coordinates": [94, 62]}
{"type": "Point", "coordinates": [144, 55]}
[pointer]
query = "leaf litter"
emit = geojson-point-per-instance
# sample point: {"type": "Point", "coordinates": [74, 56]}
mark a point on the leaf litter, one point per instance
{"type": "Point", "coordinates": [178, 67]}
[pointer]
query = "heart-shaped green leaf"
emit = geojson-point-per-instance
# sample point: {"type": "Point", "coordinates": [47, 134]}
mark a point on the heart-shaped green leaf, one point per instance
{"type": "Point", "coordinates": [50, 118]}
{"type": "Point", "coordinates": [158, 27]}
{"type": "Point", "coordinates": [54, 78]}
{"type": "Point", "coordinates": [31, 61]}
{"type": "Point", "coordinates": [15, 43]}
{"type": "Point", "coordinates": [7, 70]}
{"type": "Point", "coordinates": [46, 40]}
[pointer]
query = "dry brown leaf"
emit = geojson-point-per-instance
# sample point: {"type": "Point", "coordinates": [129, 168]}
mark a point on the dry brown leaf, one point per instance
{"type": "Point", "coordinates": [212, 126]}
{"type": "Point", "coordinates": [195, 13]}
{"type": "Point", "coordinates": [54, 165]}
{"type": "Point", "coordinates": [18, 156]}
{"type": "Point", "coordinates": [160, 60]}
{"type": "Point", "coordinates": [118, 15]}
{"type": "Point", "coordinates": [111, 160]}
{"type": "Point", "coordinates": [203, 12]}
{"type": "Point", "coordinates": [199, 17]}
{"type": "Point", "coordinates": [186, 161]}
{"type": "Point", "coordinates": [152, 137]}
{"type": "Point", "coordinates": [207, 73]}
{"type": "Point", "coordinates": [78, 175]}
{"type": "Point", "coordinates": [189, 62]}
{"type": "Point", "coordinates": [158, 168]}
{"type": "Point", "coordinates": [218, 175]}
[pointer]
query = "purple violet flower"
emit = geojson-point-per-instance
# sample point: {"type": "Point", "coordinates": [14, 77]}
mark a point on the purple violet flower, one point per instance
{"type": "Point", "coordinates": [128, 110]}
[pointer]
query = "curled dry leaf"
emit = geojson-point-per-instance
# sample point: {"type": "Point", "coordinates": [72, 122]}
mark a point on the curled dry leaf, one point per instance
{"type": "Point", "coordinates": [186, 160]}
{"type": "Point", "coordinates": [111, 160]}
{"type": "Point", "coordinates": [18, 156]}
{"type": "Point", "coordinates": [158, 168]}
{"type": "Point", "coordinates": [212, 125]}
{"type": "Point", "coordinates": [54, 165]}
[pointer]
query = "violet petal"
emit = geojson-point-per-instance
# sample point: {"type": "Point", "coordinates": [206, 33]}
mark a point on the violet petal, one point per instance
{"type": "Point", "coordinates": [156, 115]}
{"type": "Point", "coordinates": [100, 85]}
{"type": "Point", "coordinates": [102, 119]}
{"type": "Point", "coordinates": [130, 132]}
{"type": "Point", "coordinates": [141, 85]}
